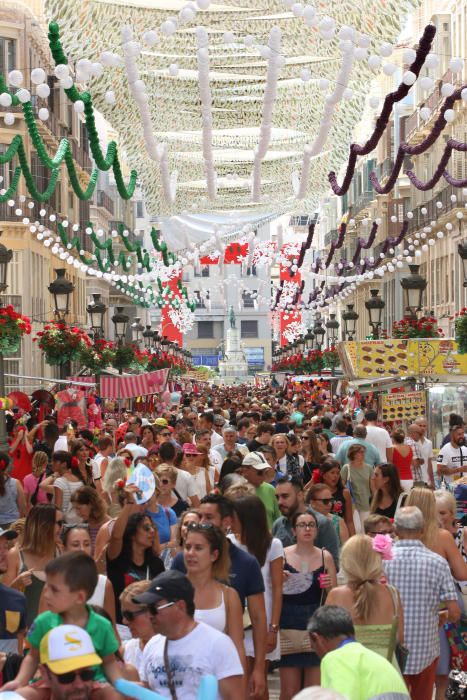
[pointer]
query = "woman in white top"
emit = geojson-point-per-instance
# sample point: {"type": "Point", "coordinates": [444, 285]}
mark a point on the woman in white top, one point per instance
{"type": "Point", "coordinates": [252, 534]}
{"type": "Point", "coordinates": [77, 539]}
{"type": "Point", "coordinates": [196, 462]}
{"type": "Point", "coordinates": [138, 619]}
{"type": "Point", "coordinates": [206, 555]}
{"type": "Point", "coordinates": [64, 482]}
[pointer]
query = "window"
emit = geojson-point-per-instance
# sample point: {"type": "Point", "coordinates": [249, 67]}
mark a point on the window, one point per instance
{"type": "Point", "coordinates": [7, 55]}
{"type": "Point", "coordinates": [139, 210]}
{"type": "Point", "coordinates": [199, 300]}
{"type": "Point", "coordinates": [248, 298]}
{"type": "Point", "coordinates": [249, 329]}
{"type": "Point", "coordinates": [205, 329]}
{"type": "Point", "coordinates": [204, 272]}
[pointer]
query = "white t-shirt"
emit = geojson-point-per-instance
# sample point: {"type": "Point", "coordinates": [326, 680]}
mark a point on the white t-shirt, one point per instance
{"type": "Point", "coordinates": [202, 651]}
{"type": "Point", "coordinates": [185, 484]}
{"type": "Point", "coordinates": [426, 451]}
{"type": "Point", "coordinates": [132, 652]}
{"type": "Point", "coordinates": [379, 437]}
{"type": "Point", "coordinates": [337, 441]}
{"type": "Point", "coordinates": [453, 458]}
{"type": "Point", "coordinates": [136, 450]}
{"type": "Point", "coordinates": [216, 459]}
{"type": "Point", "coordinates": [216, 439]}
{"type": "Point", "coordinates": [61, 443]}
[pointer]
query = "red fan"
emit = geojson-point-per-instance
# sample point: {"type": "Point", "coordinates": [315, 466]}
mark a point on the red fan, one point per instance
{"type": "Point", "coordinates": [20, 400]}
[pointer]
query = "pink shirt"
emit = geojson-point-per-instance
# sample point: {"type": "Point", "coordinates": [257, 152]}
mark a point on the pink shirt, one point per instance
{"type": "Point", "coordinates": [29, 484]}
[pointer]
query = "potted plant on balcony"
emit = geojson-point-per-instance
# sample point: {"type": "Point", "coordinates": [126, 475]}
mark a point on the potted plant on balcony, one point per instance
{"type": "Point", "coordinates": [123, 358]}
{"type": "Point", "coordinates": [12, 328]}
{"type": "Point", "coordinates": [460, 326]}
{"type": "Point", "coordinates": [98, 356]}
{"type": "Point", "coordinates": [61, 343]}
{"type": "Point", "coordinates": [424, 327]}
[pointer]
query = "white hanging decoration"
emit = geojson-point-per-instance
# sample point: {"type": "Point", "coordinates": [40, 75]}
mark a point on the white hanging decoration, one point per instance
{"type": "Point", "coordinates": [38, 75]}
{"type": "Point", "coordinates": [9, 119]}
{"type": "Point", "coordinates": [43, 114]}
{"type": "Point", "coordinates": [15, 78]}
{"type": "Point", "coordinates": [206, 110]}
{"type": "Point", "coordinates": [23, 95]}
{"type": "Point", "coordinates": [155, 151]}
{"type": "Point", "coordinates": [270, 93]}
{"type": "Point", "coordinates": [300, 183]}
{"type": "Point", "coordinates": [5, 99]}
{"type": "Point", "coordinates": [43, 90]}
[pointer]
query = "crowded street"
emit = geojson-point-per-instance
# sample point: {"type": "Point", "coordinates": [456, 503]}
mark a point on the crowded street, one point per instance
{"type": "Point", "coordinates": [233, 350]}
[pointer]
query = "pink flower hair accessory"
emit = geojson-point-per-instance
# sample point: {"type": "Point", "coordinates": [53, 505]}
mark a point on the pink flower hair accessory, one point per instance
{"type": "Point", "coordinates": [383, 545]}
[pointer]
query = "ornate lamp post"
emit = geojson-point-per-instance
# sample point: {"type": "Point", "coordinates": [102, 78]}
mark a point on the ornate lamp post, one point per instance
{"type": "Point", "coordinates": [5, 257]}
{"type": "Point", "coordinates": [350, 318]}
{"type": "Point", "coordinates": [375, 306]}
{"type": "Point", "coordinates": [309, 340]}
{"type": "Point", "coordinates": [319, 333]}
{"type": "Point", "coordinates": [462, 250]}
{"type": "Point", "coordinates": [157, 341]}
{"type": "Point", "coordinates": [136, 329]}
{"type": "Point", "coordinates": [148, 336]}
{"type": "Point", "coordinates": [414, 285]}
{"type": "Point", "coordinates": [61, 289]}
{"type": "Point", "coordinates": [120, 321]}
{"type": "Point", "coordinates": [96, 310]}
{"type": "Point", "coordinates": [332, 327]}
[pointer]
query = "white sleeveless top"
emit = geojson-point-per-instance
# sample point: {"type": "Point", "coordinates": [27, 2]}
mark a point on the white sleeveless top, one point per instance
{"type": "Point", "coordinates": [98, 596]}
{"type": "Point", "coordinates": [214, 617]}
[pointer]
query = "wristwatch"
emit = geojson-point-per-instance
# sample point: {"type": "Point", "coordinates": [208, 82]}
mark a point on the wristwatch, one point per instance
{"type": "Point", "coordinates": [274, 628]}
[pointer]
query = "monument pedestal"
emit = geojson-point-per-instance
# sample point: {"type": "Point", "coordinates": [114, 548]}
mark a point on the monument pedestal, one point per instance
{"type": "Point", "coordinates": [234, 366]}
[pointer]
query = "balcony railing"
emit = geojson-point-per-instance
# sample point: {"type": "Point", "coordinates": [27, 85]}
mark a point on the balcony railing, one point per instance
{"type": "Point", "coordinates": [298, 221]}
{"type": "Point", "coordinates": [433, 212]}
{"type": "Point", "coordinates": [330, 237]}
{"type": "Point", "coordinates": [433, 101]}
{"type": "Point", "coordinates": [103, 200]}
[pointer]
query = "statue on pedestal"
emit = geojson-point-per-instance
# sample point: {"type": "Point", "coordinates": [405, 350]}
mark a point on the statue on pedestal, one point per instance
{"type": "Point", "coordinates": [232, 317]}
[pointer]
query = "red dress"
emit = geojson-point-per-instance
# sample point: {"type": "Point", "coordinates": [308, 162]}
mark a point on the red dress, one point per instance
{"type": "Point", "coordinates": [403, 464]}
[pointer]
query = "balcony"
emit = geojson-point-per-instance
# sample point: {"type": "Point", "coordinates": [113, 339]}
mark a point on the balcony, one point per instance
{"type": "Point", "coordinates": [81, 156]}
{"type": "Point", "coordinates": [331, 237]}
{"type": "Point", "coordinates": [104, 201]}
{"type": "Point", "coordinates": [384, 169]}
{"type": "Point", "coordinates": [298, 221]}
{"type": "Point", "coordinates": [433, 212]}
{"type": "Point", "coordinates": [414, 123]}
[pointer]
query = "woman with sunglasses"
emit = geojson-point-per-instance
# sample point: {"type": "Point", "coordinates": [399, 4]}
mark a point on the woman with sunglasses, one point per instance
{"type": "Point", "coordinates": [133, 550]}
{"type": "Point", "coordinates": [168, 494]}
{"type": "Point", "coordinates": [207, 562]}
{"type": "Point", "coordinates": [320, 498]}
{"type": "Point", "coordinates": [138, 619]}
{"type": "Point", "coordinates": [197, 463]}
{"type": "Point", "coordinates": [26, 563]}
{"type": "Point", "coordinates": [309, 573]}
{"type": "Point", "coordinates": [77, 538]}
{"type": "Point", "coordinates": [91, 510]}
{"type": "Point", "coordinates": [329, 473]}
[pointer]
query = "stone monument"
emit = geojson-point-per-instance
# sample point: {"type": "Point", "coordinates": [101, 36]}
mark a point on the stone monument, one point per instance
{"type": "Point", "coordinates": [233, 367]}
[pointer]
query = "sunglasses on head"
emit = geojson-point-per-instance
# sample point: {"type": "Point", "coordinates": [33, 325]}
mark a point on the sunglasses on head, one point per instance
{"type": "Point", "coordinates": [154, 609]}
{"type": "Point", "coordinates": [86, 674]}
{"type": "Point", "coordinates": [199, 526]}
{"type": "Point", "coordinates": [130, 616]}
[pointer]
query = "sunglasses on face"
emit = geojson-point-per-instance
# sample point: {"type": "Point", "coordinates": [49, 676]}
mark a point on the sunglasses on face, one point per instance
{"type": "Point", "coordinates": [130, 616]}
{"type": "Point", "coordinates": [306, 526]}
{"type": "Point", "coordinates": [165, 434]}
{"type": "Point", "coordinates": [86, 674]}
{"type": "Point", "coordinates": [325, 501]}
{"type": "Point", "coordinates": [154, 609]}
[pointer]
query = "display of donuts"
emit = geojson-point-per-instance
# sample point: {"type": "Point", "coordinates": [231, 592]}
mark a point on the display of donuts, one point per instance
{"type": "Point", "coordinates": [402, 407]}
{"type": "Point", "coordinates": [382, 358]}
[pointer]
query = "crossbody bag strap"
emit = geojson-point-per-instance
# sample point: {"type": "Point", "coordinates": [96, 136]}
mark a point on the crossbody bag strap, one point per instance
{"type": "Point", "coordinates": [168, 671]}
{"type": "Point", "coordinates": [395, 624]}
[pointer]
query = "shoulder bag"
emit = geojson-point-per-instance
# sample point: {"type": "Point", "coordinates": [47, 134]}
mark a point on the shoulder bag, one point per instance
{"type": "Point", "coordinates": [396, 648]}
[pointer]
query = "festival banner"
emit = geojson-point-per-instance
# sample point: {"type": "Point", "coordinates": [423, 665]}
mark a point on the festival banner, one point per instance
{"type": "Point", "coordinates": [370, 359]}
{"type": "Point", "coordinates": [402, 406]}
{"type": "Point", "coordinates": [168, 329]}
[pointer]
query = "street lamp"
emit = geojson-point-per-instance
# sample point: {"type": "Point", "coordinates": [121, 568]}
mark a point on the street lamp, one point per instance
{"type": "Point", "coordinates": [120, 321]}
{"type": "Point", "coordinates": [332, 327]}
{"type": "Point", "coordinates": [414, 285]}
{"type": "Point", "coordinates": [350, 318]}
{"type": "Point", "coordinates": [462, 250]}
{"type": "Point", "coordinates": [5, 257]}
{"type": "Point", "coordinates": [309, 340]}
{"type": "Point", "coordinates": [61, 288]}
{"type": "Point", "coordinates": [96, 310]}
{"type": "Point", "coordinates": [136, 329]}
{"type": "Point", "coordinates": [301, 344]}
{"type": "Point", "coordinates": [319, 333]}
{"type": "Point", "coordinates": [147, 337]}
{"type": "Point", "coordinates": [375, 306]}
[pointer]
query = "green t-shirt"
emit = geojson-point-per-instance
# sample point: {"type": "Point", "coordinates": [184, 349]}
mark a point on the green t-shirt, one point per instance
{"type": "Point", "coordinates": [267, 494]}
{"type": "Point", "coordinates": [99, 629]}
{"type": "Point", "coordinates": [361, 674]}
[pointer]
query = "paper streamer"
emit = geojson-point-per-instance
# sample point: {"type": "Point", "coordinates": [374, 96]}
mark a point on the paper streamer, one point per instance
{"type": "Point", "coordinates": [206, 110]}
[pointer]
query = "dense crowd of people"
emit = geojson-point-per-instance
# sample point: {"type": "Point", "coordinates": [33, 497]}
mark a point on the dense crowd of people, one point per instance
{"type": "Point", "coordinates": [283, 536]}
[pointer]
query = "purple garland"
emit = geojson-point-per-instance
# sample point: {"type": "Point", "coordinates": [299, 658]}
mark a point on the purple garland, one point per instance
{"type": "Point", "coordinates": [405, 149]}
{"type": "Point", "coordinates": [451, 145]}
{"type": "Point", "coordinates": [390, 100]}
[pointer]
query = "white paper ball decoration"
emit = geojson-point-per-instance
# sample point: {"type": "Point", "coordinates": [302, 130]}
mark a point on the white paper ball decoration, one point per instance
{"type": "Point", "coordinates": [5, 99]}
{"type": "Point", "coordinates": [43, 114]}
{"type": "Point", "coordinates": [187, 14]}
{"type": "Point", "coordinates": [43, 90]}
{"type": "Point", "coordinates": [347, 94]}
{"type": "Point", "coordinates": [67, 82]}
{"type": "Point", "coordinates": [426, 83]}
{"type": "Point", "coordinates": [360, 53]}
{"type": "Point", "coordinates": [109, 97]}
{"type": "Point", "coordinates": [23, 95]}
{"type": "Point", "coordinates": [409, 77]}
{"type": "Point", "coordinates": [425, 113]}
{"type": "Point", "coordinates": [449, 115]}
{"type": "Point", "coordinates": [432, 61]}
{"type": "Point", "coordinates": [15, 78]}
{"type": "Point", "coordinates": [61, 71]}
{"type": "Point", "coordinates": [408, 55]}
{"type": "Point", "coordinates": [447, 89]}
{"type": "Point", "coordinates": [9, 118]}
{"type": "Point", "coordinates": [173, 69]}
{"type": "Point", "coordinates": [229, 37]}
{"type": "Point", "coordinates": [305, 75]}
{"type": "Point", "coordinates": [97, 69]}
{"type": "Point", "coordinates": [297, 9]}
{"type": "Point", "coordinates": [265, 52]}
{"type": "Point", "coordinates": [84, 66]}
{"type": "Point", "coordinates": [464, 95]}
{"type": "Point", "coordinates": [456, 65]}
{"type": "Point", "coordinates": [374, 61]}
{"type": "Point", "coordinates": [389, 68]}
{"type": "Point", "coordinates": [323, 84]}
{"type": "Point", "coordinates": [249, 40]}
{"type": "Point", "coordinates": [385, 49]}
{"type": "Point", "coordinates": [168, 27]}
{"type": "Point", "coordinates": [373, 101]}
{"type": "Point", "coordinates": [38, 75]}
{"type": "Point", "coordinates": [78, 106]}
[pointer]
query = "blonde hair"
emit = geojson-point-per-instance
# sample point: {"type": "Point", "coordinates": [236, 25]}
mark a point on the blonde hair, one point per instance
{"type": "Point", "coordinates": [133, 589]}
{"type": "Point", "coordinates": [363, 568]}
{"type": "Point", "coordinates": [116, 469]}
{"type": "Point", "coordinates": [39, 459]}
{"type": "Point", "coordinates": [424, 499]}
{"type": "Point", "coordinates": [240, 489]}
{"type": "Point", "coordinates": [447, 498]}
{"type": "Point", "coordinates": [168, 471]}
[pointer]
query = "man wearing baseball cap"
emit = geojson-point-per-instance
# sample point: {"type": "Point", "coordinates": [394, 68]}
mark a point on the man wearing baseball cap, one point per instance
{"type": "Point", "coordinates": [182, 650]}
{"type": "Point", "coordinates": [68, 660]}
{"type": "Point", "coordinates": [254, 468]}
{"type": "Point", "coordinates": [12, 603]}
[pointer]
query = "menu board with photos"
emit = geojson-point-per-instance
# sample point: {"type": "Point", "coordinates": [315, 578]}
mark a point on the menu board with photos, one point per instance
{"type": "Point", "coordinates": [406, 406]}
